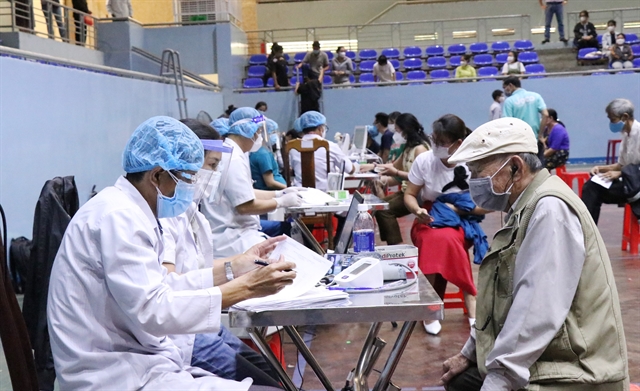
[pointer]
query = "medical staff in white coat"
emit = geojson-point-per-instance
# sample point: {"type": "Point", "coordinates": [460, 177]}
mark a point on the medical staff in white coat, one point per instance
{"type": "Point", "coordinates": [111, 304]}
{"type": "Point", "coordinates": [235, 223]}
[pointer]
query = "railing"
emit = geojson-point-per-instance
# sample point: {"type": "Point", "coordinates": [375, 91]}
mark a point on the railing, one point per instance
{"type": "Point", "coordinates": [400, 35]}
{"type": "Point", "coordinates": [39, 17]}
{"type": "Point", "coordinates": [627, 19]}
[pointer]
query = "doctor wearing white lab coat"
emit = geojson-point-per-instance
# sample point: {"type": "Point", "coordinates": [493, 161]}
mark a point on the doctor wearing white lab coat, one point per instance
{"type": "Point", "coordinates": [111, 304]}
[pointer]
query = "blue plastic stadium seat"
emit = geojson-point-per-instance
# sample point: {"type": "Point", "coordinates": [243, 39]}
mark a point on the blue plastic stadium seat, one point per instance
{"type": "Point", "coordinates": [636, 50]}
{"type": "Point", "coordinates": [416, 75]}
{"type": "Point", "coordinates": [582, 54]}
{"type": "Point", "coordinates": [457, 49]}
{"type": "Point", "coordinates": [501, 58]}
{"type": "Point", "coordinates": [298, 57]}
{"type": "Point", "coordinates": [352, 78]}
{"type": "Point", "coordinates": [523, 45]}
{"type": "Point", "coordinates": [395, 63]}
{"type": "Point", "coordinates": [366, 78]}
{"type": "Point", "coordinates": [479, 48]}
{"type": "Point", "coordinates": [483, 60]}
{"type": "Point", "coordinates": [258, 59]}
{"type": "Point", "coordinates": [528, 57]}
{"type": "Point", "coordinates": [535, 69]}
{"type": "Point", "coordinates": [599, 38]}
{"type": "Point", "coordinates": [600, 73]}
{"type": "Point", "coordinates": [367, 66]}
{"type": "Point", "coordinates": [632, 39]}
{"type": "Point", "coordinates": [412, 64]}
{"type": "Point", "coordinates": [368, 54]}
{"type": "Point", "coordinates": [270, 82]}
{"type": "Point", "coordinates": [256, 71]}
{"type": "Point", "coordinates": [351, 54]}
{"type": "Point", "coordinates": [330, 55]}
{"type": "Point", "coordinates": [253, 83]}
{"type": "Point", "coordinates": [436, 62]}
{"type": "Point", "coordinates": [412, 51]}
{"type": "Point", "coordinates": [636, 62]}
{"type": "Point", "coordinates": [327, 80]}
{"type": "Point", "coordinates": [294, 80]}
{"type": "Point", "coordinates": [627, 72]}
{"type": "Point", "coordinates": [391, 52]}
{"type": "Point", "coordinates": [440, 74]}
{"type": "Point", "coordinates": [435, 50]}
{"type": "Point", "coordinates": [500, 46]}
{"type": "Point", "coordinates": [287, 57]}
{"type": "Point", "coordinates": [399, 76]}
{"type": "Point", "coordinates": [454, 61]}
{"type": "Point", "coordinates": [488, 71]}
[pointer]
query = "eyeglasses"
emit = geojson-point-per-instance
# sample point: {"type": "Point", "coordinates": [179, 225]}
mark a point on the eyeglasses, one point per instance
{"type": "Point", "coordinates": [183, 176]}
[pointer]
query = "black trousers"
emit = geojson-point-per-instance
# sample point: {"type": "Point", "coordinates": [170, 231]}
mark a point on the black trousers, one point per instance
{"type": "Point", "coordinates": [469, 380]}
{"type": "Point", "coordinates": [594, 195]}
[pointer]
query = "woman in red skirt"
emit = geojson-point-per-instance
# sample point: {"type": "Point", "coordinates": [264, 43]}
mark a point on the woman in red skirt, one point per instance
{"type": "Point", "coordinates": [442, 252]}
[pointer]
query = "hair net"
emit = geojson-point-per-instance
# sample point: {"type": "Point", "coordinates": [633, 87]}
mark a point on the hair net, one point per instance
{"type": "Point", "coordinates": [272, 126]}
{"type": "Point", "coordinates": [221, 125]}
{"type": "Point", "coordinates": [245, 121]}
{"type": "Point", "coordinates": [296, 125]}
{"type": "Point", "coordinates": [165, 142]}
{"type": "Point", "coordinates": [311, 119]}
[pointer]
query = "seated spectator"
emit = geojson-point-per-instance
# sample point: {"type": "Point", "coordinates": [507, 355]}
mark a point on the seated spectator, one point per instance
{"type": "Point", "coordinates": [620, 113]}
{"type": "Point", "coordinates": [292, 134]}
{"type": "Point", "coordinates": [621, 53]}
{"type": "Point", "coordinates": [465, 69]}
{"type": "Point", "coordinates": [262, 106]}
{"type": "Point", "coordinates": [230, 109]}
{"type": "Point", "coordinates": [409, 133]}
{"type": "Point", "coordinates": [372, 144]}
{"type": "Point", "coordinates": [277, 68]}
{"type": "Point", "coordinates": [264, 168]}
{"type": "Point", "coordinates": [342, 67]}
{"type": "Point", "coordinates": [397, 147]}
{"type": "Point", "coordinates": [316, 61]}
{"type": "Point", "coordinates": [585, 35]}
{"type": "Point", "coordinates": [495, 111]}
{"type": "Point", "coordinates": [556, 141]}
{"type": "Point", "coordinates": [310, 92]}
{"type": "Point", "coordinates": [381, 124]}
{"type": "Point", "coordinates": [609, 38]}
{"type": "Point", "coordinates": [513, 66]}
{"type": "Point", "coordinates": [383, 70]}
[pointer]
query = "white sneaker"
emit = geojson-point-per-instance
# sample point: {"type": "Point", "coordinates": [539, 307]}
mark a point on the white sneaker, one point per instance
{"type": "Point", "coordinates": [472, 321]}
{"type": "Point", "coordinates": [432, 328]}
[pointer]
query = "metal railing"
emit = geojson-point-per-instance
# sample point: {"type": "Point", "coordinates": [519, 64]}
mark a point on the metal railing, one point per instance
{"type": "Point", "coordinates": [627, 19]}
{"type": "Point", "coordinates": [402, 34]}
{"type": "Point", "coordinates": [39, 17]}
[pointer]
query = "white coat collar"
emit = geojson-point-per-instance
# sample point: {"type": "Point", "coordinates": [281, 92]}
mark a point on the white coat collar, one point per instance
{"type": "Point", "coordinates": [130, 191]}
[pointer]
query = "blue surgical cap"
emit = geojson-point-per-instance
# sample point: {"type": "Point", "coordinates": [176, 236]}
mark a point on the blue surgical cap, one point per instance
{"type": "Point", "coordinates": [272, 126]}
{"type": "Point", "coordinates": [165, 142]}
{"type": "Point", "coordinates": [311, 119]}
{"type": "Point", "coordinates": [221, 125]}
{"type": "Point", "coordinates": [296, 125]}
{"type": "Point", "coordinates": [245, 122]}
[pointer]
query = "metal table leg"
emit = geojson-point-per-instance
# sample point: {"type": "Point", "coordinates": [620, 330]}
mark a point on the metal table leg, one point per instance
{"type": "Point", "coordinates": [394, 356]}
{"type": "Point", "coordinates": [261, 343]}
{"type": "Point", "coordinates": [308, 356]}
{"type": "Point", "coordinates": [359, 378]}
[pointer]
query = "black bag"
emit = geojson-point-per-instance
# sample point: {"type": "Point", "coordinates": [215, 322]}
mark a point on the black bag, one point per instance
{"type": "Point", "coordinates": [19, 256]}
{"type": "Point", "coordinates": [631, 183]}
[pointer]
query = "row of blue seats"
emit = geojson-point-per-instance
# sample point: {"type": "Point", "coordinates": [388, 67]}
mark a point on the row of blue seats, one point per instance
{"type": "Point", "coordinates": [410, 64]}
{"type": "Point", "coordinates": [631, 39]}
{"type": "Point", "coordinates": [585, 54]}
{"type": "Point", "coordinates": [411, 75]}
{"type": "Point", "coordinates": [415, 51]}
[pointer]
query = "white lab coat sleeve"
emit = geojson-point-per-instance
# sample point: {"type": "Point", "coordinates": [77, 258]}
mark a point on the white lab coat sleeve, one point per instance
{"type": "Point", "coordinates": [136, 280]}
{"type": "Point", "coordinates": [337, 157]}
{"type": "Point", "coordinates": [169, 239]}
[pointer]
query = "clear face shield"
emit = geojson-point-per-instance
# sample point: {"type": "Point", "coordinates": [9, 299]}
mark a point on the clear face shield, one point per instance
{"type": "Point", "coordinates": [212, 177]}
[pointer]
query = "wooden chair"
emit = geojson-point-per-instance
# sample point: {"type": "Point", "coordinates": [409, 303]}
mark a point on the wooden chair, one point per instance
{"type": "Point", "coordinates": [307, 150]}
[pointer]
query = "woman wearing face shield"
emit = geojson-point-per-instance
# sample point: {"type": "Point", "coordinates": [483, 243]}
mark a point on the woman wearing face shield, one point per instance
{"type": "Point", "coordinates": [442, 252]}
{"type": "Point", "coordinates": [265, 170]}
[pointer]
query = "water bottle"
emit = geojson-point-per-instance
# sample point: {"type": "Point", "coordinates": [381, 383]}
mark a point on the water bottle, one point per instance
{"type": "Point", "coordinates": [363, 234]}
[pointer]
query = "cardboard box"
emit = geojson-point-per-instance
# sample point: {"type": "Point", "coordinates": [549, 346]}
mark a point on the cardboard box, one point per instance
{"type": "Point", "coordinates": [405, 254]}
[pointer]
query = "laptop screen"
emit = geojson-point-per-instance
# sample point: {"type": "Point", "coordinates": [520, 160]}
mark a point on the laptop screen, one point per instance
{"type": "Point", "coordinates": [345, 235]}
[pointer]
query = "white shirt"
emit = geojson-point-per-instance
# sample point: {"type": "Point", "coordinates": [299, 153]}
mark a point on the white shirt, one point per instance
{"type": "Point", "coordinates": [553, 246]}
{"type": "Point", "coordinates": [429, 172]}
{"type": "Point", "coordinates": [384, 72]}
{"type": "Point", "coordinates": [513, 66]}
{"type": "Point", "coordinates": [630, 146]}
{"type": "Point", "coordinates": [232, 232]}
{"type": "Point", "coordinates": [495, 111]}
{"type": "Point", "coordinates": [119, 8]}
{"type": "Point", "coordinates": [335, 154]}
{"type": "Point", "coordinates": [111, 304]}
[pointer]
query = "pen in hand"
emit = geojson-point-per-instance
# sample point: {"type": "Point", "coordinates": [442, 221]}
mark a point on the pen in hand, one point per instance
{"type": "Point", "coordinates": [263, 263]}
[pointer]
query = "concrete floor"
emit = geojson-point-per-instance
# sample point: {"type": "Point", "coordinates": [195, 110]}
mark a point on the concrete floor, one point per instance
{"type": "Point", "coordinates": [337, 347]}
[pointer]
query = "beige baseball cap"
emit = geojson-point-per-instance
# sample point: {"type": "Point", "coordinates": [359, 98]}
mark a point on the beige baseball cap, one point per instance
{"type": "Point", "coordinates": [504, 135]}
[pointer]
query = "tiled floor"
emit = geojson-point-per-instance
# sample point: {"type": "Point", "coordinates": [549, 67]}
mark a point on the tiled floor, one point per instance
{"type": "Point", "coordinates": [337, 347]}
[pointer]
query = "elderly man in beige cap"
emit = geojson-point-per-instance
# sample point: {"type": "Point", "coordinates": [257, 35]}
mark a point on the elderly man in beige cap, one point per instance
{"type": "Point", "coordinates": [548, 315]}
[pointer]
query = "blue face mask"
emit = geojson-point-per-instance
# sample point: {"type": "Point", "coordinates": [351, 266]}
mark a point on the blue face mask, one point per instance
{"type": "Point", "coordinates": [373, 131]}
{"type": "Point", "coordinates": [173, 206]}
{"type": "Point", "coordinates": [616, 127]}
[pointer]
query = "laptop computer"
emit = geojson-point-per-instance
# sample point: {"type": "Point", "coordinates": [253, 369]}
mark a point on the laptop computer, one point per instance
{"type": "Point", "coordinates": [345, 236]}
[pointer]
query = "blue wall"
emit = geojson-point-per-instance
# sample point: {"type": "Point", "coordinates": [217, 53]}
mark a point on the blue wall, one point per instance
{"type": "Point", "coordinates": [57, 121]}
{"type": "Point", "coordinates": [579, 100]}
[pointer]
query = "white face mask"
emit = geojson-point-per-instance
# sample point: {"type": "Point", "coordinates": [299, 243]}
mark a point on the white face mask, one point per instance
{"type": "Point", "coordinates": [441, 152]}
{"type": "Point", "coordinates": [392, 127]}
{"type": "Point", "coordinates": [463, 63]}
{"type": "Point", "coordinates": [256, 144]}
{"type": "Point", "coordinates": [342, 54]}
{"type": "Point", "coordinates": [398, 138]}
{"type": "Point", "coordinates": [620, 42]}
{"type": "Point", "coordinates": [583, 19]}
{"type": "Point", "coordinates": [502, 98]}
{"type": "Point", "coordinates": [511, 59]}
{"type": "Point", "coordinates": [611, 28]}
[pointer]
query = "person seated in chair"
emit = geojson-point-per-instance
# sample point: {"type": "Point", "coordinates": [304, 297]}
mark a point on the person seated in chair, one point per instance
{"type": "Point", "coordinates": [556, 139]}
{"type": "Point", "coordinates": [585, 35]}
{"type": "Point", "coordinates": [621, 53]}
{"type": "Point", "coordinates": [264, 168]}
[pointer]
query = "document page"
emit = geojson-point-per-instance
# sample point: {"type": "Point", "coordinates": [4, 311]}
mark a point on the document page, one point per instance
{"type": "Point", "coordinates": [315, 197]}
{"type": "Point", "coordinates": [601, 181]}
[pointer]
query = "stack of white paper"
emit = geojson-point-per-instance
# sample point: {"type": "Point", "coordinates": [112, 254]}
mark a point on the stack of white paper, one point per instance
{"type": "Point", "coordinates": [315, 297]}
{"type": "Point", "coordinates": [315, 197]}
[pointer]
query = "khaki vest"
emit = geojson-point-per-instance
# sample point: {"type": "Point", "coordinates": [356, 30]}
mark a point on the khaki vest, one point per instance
{"type": "Point", "coordinates": [590, 347]}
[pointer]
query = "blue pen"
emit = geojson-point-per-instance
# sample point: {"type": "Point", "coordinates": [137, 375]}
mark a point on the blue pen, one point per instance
{"type": "Point", "coordinates": [336, 288]}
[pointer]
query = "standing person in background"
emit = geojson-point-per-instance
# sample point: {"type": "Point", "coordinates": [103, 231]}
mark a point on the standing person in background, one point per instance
{"type": "Point", "coordinates": [262, 107]}
{"type": "Point", "coordinates": [119, 8]}
{"type": "Point", "coordinates": [585, 35]}
{"type": "Point", "coordinates": [556, 139]}
{"type": "Point", "coordinates": [316, 61]}
{"type": "Point", "coordinates": [609, 38]}
{"type": "Point", "coordinates": [381, 123]}
{"type": "Point", "coordinates": [550, 8]}
{"type": "Point", "coordinates": [80, 26]}
{"type": "Point", "coordinates": [495, 111]}
{"type": "Point", "coordinates": [310, 92]}
{"type": "Point", "coordinates": [51, 10]}
{"type": "Point", "coordinates": [383, 70]}
{"type": "Point", "coordinates": [342, 67]}
{"type": "Point", "coordinates": [513, 66]}
{"type": "Point", "coordinates": [465, 69]}
{"type": "Point", "coordinates": [277, 68]}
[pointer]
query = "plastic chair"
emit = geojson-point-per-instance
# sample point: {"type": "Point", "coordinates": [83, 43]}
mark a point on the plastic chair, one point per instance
{"type": "Point", "coordinates": [368, 54]}
{"type": "Point", "coordinates": [391, 52]}
{"type": "Point", "coordinates": [330, 55]}
{"type": "Point", "coordinates": [366, 78]}
{"type": "Point", "coordinates": [351, 54]}
{"type": "Point", "coordinates": [256, 71]}
{"type": "Point", "coordinates": [535, 69]}
{"type": "Point", "coordinates": [500, 46]}
{"type": "Point", "coordinates": [298, 57]}
{"type": "Point", "coordinates": [294, 80]}
{"type": "Point", "coordinates": [367, 66]}
{"type": "Point", "coordinates": [455, 300]}
{"type": "Point", "coordinates": [399, 76]}
{"type": "Point", "coordinates": [253, 82]}
{"type": "Point", "coordinates": [352, 78]}
{"type": "Point", "coordinates": [600, 74]}
{"type": "Point", "coordinates": [632, 39]}
{"type": "Point", "coordinates": [582, 55]}
{"type": "Point", "coordinates": [395, 63]}
{"type": "Point", "coordinates": [440, 74]}
{"type": "Point", "coordinates": [479, 48]}
{"type": "Point", "coordinates": [258, 59]}
{"type": "Point", "coordinates": [270, 82]}
{"type": "Point", "coordinates": [287, 57]}
{"type": "Point", "coordinates": [436, 62]}
{"type": "Point", "coordinates": [528, 57]}
{"type": "Point", "coordinates": [636, 50]}
{"type": "Point", "coordinates": [412, 51]}
{"type": "Point", "coordinates": [488, 71]}
{"type": "Point", "coordinates": [569, 177]}
{"type": "Point", "coordinates": [412, 64]}
{"type": "Point", "coordinates": [483, 60]}
{"type": "Point", "coordinates": [457, 49]}
{"type": "Point", "coordinates": [435, 50]}
{"type": "Point", "coordinates": [327, 80]}
{"type": "Point", "coordinates": [454, 61]}
{"type": "Point", "coordinates": [599, 38]}
{"type": "Point", "coordinates": [636, 62]}
{"type": "Point", "coordinates": [523, 45]}
{"type": "Point", "coordinates": [611, 151]}
{"type": "Point", "coordinates": [501, 58]}
{"type": "Point", "coordinates": [416, 75]}
{"type": "Point", "coordinates": [630, 231]}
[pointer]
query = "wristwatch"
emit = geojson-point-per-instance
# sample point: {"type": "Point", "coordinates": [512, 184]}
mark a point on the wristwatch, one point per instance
{"type": "Point", "coordinates": [228, 271]}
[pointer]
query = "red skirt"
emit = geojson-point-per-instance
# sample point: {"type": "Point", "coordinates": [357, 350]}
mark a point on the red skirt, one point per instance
{"type": "Point", "coordinates": [444, 251]}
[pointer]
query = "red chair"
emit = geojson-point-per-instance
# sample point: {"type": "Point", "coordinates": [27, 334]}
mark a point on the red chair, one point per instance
{"type": "Point", "coordinates": [611, 151]}
{"type": "Point", "coordinates": [569, 177]}
{"type": "Point", "coordinates": [630, 231]}
{"type": "Point", "coordinates": [455, 300]}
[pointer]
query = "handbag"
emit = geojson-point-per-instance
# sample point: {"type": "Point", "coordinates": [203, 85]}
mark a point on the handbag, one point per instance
{"type": "Point", "coordinates": [631, 186]}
